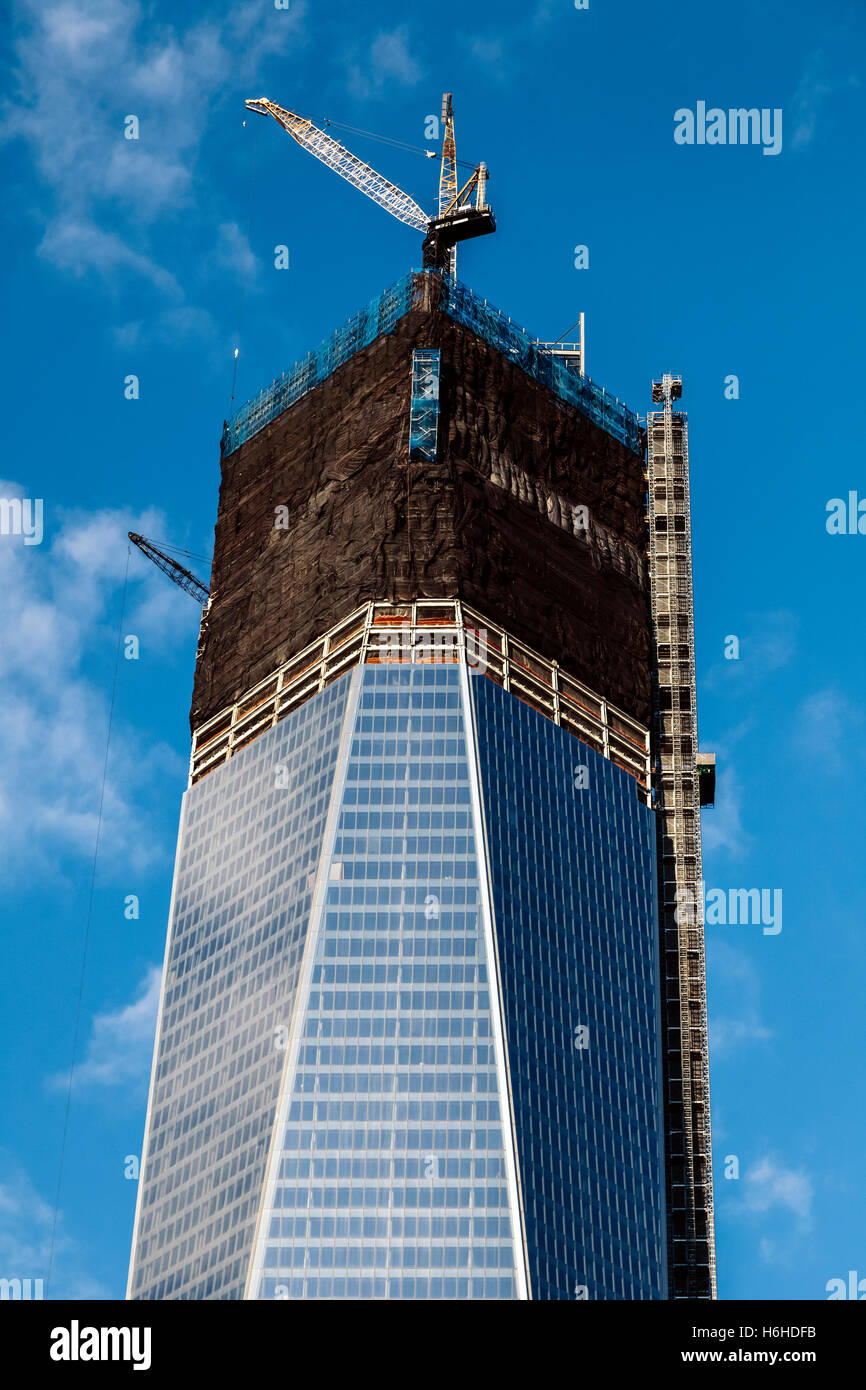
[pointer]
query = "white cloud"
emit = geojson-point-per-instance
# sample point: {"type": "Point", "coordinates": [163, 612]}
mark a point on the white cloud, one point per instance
{"type": "Point", "coordinates": [504, 50]}
{"type": "Point", "coordinates": [828, 730]}
{"type": "Point", "coordinates": [80, 246]}
{"type": "Point", "coordinates": [732, 973]}
{"type": "Point", "coordinates": [775, 1200]}
{"type": "Point", "coordinates": [74, 32]}
{"type": "Point", "coordinates": [387, 61]}
{"type": "Point", "coordinates": [233, 250]}
{"type": "Point", "coordinates": [722, 827]}
{"type": "Point", "coordinates": [768, 1184]}
{"type": "Point", "coordinates": [83, 66]}
{"type": "Point", "coordinates": [487, 51]}
{"type": "Point", "coordinates": [768, 641]}
{"type": "Point", "coordinates": [175, 328]}
{"type": "Point", "coordinates": [120, 1046]}
{"type": "Point", "coordinates": [26, 1224]}
{"type": "Point", "coordinates": [390, 55]}
{"type": "Point", "coordinates": [60, 612]}
{"type": "Point", "coordinates": [153, 182]}
{"type": "Point", "coordinates": [811, 97]}
{"type": "Point", "coordinates": [774, 641]}
{"type": "Point", "coordinates": [729, 1035]}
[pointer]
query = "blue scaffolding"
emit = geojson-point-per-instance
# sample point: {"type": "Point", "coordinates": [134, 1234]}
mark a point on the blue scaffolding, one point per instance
{"type": "Point", "coordinates": [534, 359]}
{"type": "Point", "coordinates": [381, 316]}
{"type": "Point", "coordinates": [424, 409]}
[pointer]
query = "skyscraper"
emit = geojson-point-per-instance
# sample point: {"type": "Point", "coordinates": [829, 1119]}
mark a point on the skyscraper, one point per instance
{"type": "Point", "coordinates": [415, 1037]}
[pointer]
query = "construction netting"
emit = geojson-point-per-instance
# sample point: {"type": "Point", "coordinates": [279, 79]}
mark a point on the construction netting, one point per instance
{"type": "Point", "coordinates": [531, 355]}
{"type": "Point", "coordinates": [381, 315]}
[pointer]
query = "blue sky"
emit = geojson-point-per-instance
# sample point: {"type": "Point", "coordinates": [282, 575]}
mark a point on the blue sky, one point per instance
{"type": "Point", "coordinates": [128, 257]}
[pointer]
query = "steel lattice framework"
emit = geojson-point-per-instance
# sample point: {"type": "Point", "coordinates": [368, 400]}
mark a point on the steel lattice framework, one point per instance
{"type": "Point", "coordinates": [691, 1241]}
{"type": "Point", "coordinates": [346, 164]}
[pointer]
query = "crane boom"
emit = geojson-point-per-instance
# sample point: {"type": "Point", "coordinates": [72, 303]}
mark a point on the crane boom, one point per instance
{"type": "Point", "coordinates": [185, 580]}
{"type": "Point", "coordinates": [344, 163]}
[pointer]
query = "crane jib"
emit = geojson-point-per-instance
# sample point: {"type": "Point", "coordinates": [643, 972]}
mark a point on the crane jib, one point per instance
{"type": "Point", "coordinates": [347, 165]}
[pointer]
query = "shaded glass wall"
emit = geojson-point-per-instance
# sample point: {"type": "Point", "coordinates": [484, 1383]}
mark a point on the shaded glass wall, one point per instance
{"type": "Point", "coordinates": [572, 866]}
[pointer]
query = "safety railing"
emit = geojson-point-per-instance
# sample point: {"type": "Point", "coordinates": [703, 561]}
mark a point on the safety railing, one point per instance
{"type": "Point", "coordinates": [427, 630]}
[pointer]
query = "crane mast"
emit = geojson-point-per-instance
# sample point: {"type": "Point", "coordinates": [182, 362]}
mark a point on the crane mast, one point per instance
{"type": "Point", "coordinates": [458, 218]}
{"type": "Point", "coordinates": [448, 170]}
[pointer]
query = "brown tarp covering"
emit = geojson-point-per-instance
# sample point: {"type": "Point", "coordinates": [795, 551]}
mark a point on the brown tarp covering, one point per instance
{"type": "Point", "coordinates": [365, 523]}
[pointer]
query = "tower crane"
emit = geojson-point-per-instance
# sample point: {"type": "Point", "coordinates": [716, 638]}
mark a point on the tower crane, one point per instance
{"type": "Point", "coordinates": [463, 212]}
{"type": "Point", "coordinates": [196, 588]}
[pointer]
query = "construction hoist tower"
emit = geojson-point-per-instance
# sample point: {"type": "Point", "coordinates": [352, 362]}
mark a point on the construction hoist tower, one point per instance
{"type": "Point", "coordinates": [682, 782]}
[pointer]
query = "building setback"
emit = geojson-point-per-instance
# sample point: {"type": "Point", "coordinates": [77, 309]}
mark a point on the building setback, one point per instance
{"type": "Point", "coordinates": [414, 1039]}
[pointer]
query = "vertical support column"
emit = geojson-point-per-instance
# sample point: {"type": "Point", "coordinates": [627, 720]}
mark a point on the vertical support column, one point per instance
{"type": "Point", "coordinates": [688, 1156]}
{"type": "Point", "coordinates": [494, 978]}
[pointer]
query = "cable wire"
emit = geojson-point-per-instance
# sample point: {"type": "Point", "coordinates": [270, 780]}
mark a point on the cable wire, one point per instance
{"type": "Point", "coordinates": [179, 550]}
{"type": "Point", "coordinates": [567, 331]}
{"type": "Point", "coordinates": [389, 140]}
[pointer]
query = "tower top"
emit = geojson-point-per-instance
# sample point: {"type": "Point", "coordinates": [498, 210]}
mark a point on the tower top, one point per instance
{"type": "Point", "coordinates": [670, 388]}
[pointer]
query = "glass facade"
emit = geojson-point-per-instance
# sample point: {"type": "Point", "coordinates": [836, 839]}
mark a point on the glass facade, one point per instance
{"type": "Point", "coordinates": [441, 1080]}
{"type": "Point", "coordinates": [249, 845]}
{"type": "Point", "coordinates": [391, 1179]}
{"type": "Point", "coordinates": [572, 867]}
